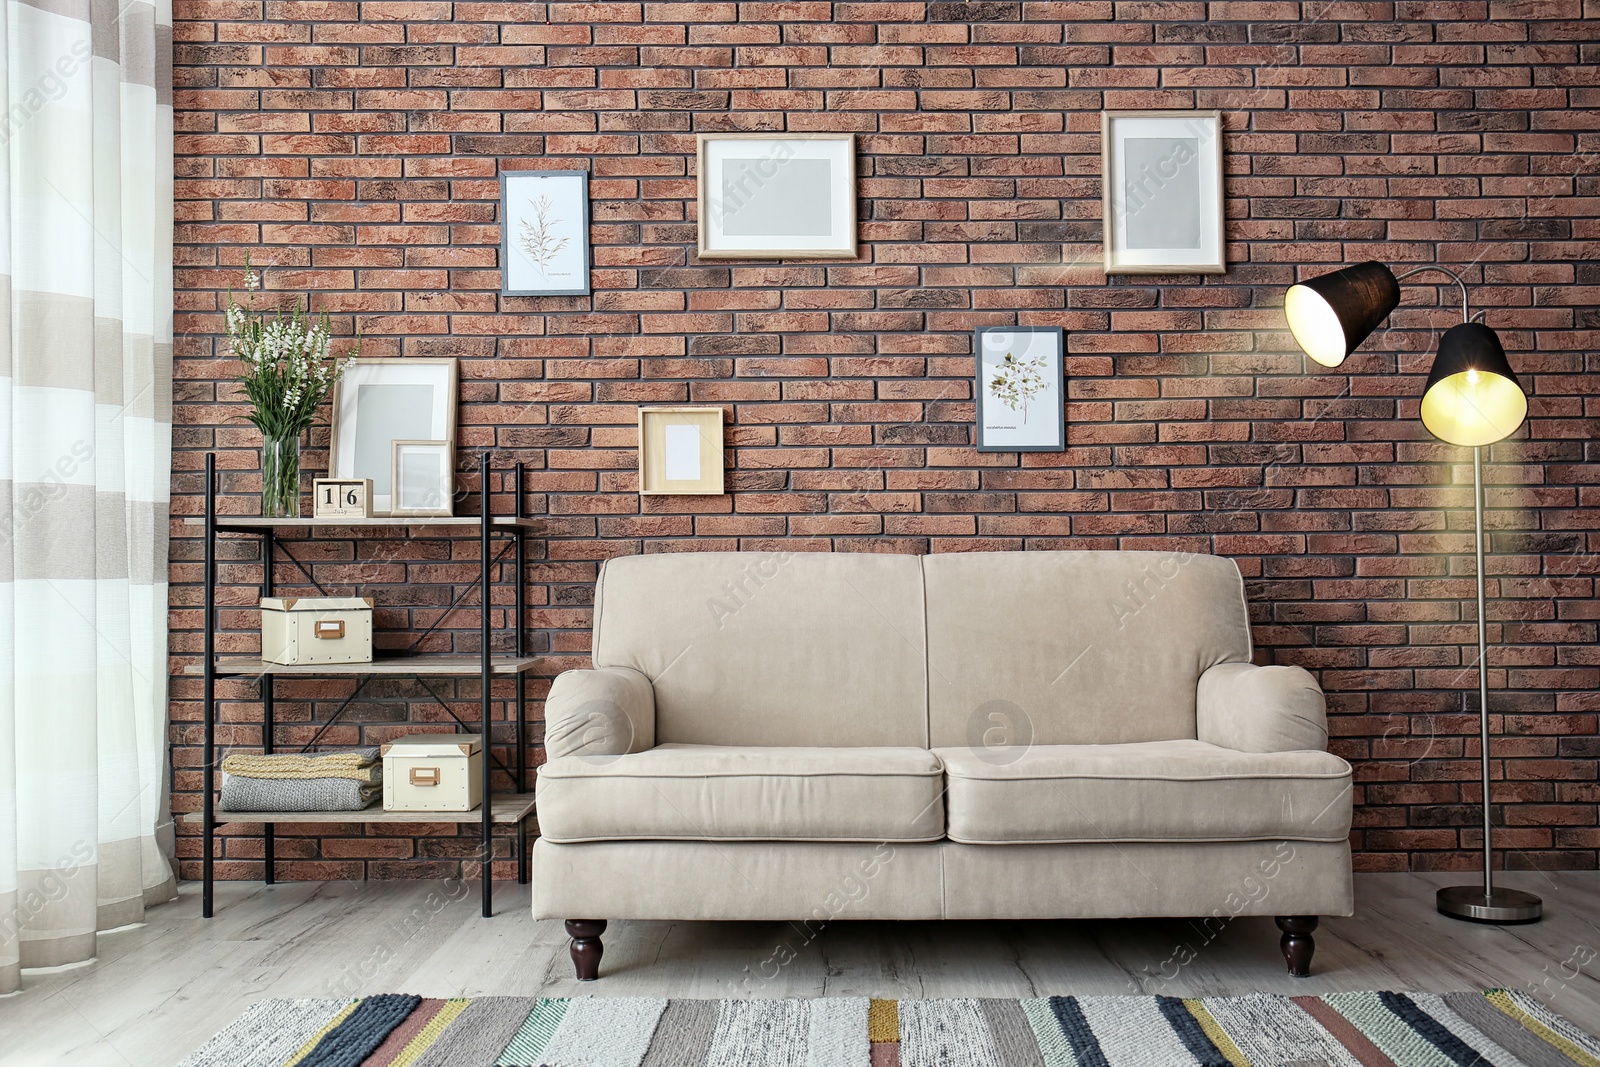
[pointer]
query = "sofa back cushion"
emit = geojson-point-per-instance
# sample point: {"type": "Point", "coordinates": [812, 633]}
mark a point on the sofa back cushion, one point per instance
{"type": "Point", "coordinates": [1073, 648]}
{"type": "Point", "coordinates": [752, 648]}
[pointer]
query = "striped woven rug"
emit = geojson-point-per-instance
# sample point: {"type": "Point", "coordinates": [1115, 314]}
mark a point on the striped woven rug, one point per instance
{"type": "Point", "coordinates": [1340, 1030]}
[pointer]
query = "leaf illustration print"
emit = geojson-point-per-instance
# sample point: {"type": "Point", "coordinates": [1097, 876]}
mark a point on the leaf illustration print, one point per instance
{"type": "Point", "coordinates": [1017, 382]}
{"type": "Point", "coordinates": [536, 238]}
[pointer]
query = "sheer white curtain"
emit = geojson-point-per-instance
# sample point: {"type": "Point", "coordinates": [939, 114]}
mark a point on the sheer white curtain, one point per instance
{"type": "Point", "coordinates": [85, 462]}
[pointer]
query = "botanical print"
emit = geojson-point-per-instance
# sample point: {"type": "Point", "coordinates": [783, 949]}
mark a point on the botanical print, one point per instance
{"type": "Point", "coordinates": [1018, 381]}
{"type": "Point", "coordinates": [1020, 389]}
{"type": "Point", "coordinates": [544, 238]}
{"type": "Point", "coordinates": [537, 239]}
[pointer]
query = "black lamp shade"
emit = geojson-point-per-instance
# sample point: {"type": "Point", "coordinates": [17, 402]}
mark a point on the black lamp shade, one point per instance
{"type": "Point", "coordinates": [1329, 316]}
{"type": "Point", "coordinates": [1472, 396]}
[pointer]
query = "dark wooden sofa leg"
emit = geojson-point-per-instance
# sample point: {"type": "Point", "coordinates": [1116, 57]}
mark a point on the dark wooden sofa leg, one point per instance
{"type": "Point", "coordinates": [1297, 942]}
{"type": "Point", "coordinates": [587, 949]}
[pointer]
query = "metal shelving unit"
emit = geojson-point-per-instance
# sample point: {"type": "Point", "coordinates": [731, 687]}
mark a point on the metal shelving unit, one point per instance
{"type": "Point", "coordinates": [502, 809]}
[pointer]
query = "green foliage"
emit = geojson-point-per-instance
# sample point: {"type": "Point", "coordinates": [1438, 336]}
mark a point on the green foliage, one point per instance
{"type": "Point", "coordinates": [288, 369]}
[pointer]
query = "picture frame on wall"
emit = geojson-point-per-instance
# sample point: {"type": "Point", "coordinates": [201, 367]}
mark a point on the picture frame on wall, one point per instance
{"type": "Point", "coordinates": [544, 233]}
{"type": "Point", "coordinates": [383, 400]}
{"type": "Point", "coordinates": [680, 451]}
{"type": "Point", "coordinates": [777, 195]}
{"type": "Point", "coordinates": [423, 477]}
{"type": "Point", "coordinates": [1021, 389]}
{"type": "Point", "coordinates": [1161, 192]}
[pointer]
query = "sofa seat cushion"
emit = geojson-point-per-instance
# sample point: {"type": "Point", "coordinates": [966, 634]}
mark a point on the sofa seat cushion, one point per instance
{"type": "Point", "coordinates": [1145, 791]}
{"type": "Point", "coordinates": [723, 793]}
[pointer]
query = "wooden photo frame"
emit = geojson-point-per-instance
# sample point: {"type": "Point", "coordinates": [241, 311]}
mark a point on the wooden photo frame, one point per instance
{"type": "Point", "coordinates": [544, 233]}
{"type": "Point", "coordinates": [1020, 384]}
{"type": "Point", "coordinates": [422, 475]}
{"type": "Point", "coordinates": [1161, 192]}
{"type": "Point", "coordinates": [680, 451]}
{"type": "Point", "coordinates": [776, 195]}
{"type": "Point", "coordinates": [380, 401]}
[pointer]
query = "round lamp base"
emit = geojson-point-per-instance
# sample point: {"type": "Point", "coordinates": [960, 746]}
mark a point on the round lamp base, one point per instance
{"type": "Point", "coordinates": [1504, 907]}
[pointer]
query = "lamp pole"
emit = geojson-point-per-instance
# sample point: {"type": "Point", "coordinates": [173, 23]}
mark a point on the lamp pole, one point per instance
{"type": "Point", "coordinates": [1483, 669]}
{"type": "Point", "coordinates": [1486, 905]}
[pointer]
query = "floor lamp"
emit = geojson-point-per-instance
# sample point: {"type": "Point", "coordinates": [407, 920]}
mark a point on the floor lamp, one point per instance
{"type": "Point", "coordinates": [1472, 399]}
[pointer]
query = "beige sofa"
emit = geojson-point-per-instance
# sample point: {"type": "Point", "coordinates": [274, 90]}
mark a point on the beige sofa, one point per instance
{"type": "Point", "coordinates": [1007, 735]}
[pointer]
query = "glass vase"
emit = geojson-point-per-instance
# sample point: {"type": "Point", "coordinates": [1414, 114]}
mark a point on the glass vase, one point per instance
{"type": "Point", "coordinates": [280, 476]}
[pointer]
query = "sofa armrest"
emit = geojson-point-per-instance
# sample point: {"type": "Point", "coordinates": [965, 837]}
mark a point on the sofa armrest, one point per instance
{"type": "Point", "coordinates": [607, 712]}
{"type": "Point", "coordinates": [1261, 709]}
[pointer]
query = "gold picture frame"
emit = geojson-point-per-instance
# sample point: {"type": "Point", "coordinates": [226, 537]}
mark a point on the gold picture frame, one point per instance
{"type": "Point", "coordinates": [680, 451]}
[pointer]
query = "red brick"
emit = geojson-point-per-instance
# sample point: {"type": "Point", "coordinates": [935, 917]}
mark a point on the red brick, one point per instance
{"type": "Point", "coordinates": [356, 149]}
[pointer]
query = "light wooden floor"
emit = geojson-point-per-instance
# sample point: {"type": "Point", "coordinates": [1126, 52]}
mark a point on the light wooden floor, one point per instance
{"type": "Point", "coordinates": [159, 990]}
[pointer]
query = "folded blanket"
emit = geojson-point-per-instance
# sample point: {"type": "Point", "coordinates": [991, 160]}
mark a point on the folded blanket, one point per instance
{"type": "Point", "coordinates": [240, 793]}
{"type": "Point", "coordinates": [358, 764]}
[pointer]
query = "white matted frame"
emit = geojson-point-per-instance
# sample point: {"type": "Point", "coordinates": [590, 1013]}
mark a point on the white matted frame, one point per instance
{"type": "Point", "coordinates": [680, 451]}
{"type": "Point", "coordinates": [1161, 192]}
{"type": "Point", "coordinates": [544, 233]}
{"type": "Point", "coordinates": [380, 401]}
{"type": "Point", "coordinates": [1021, 388]}
{"type": "Point", "coordinates": [422, 475]}
{"type": "Point", "coordinates": [777, 195]}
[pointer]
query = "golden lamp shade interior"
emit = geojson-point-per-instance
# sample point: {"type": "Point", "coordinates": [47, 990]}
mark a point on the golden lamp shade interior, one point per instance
{"type": "Point", "coordinates": [1473, 408]}
{"type": "Point", "coordinates": [1315, 326]}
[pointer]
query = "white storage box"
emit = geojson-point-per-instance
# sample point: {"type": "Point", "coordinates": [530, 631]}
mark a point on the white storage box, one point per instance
{"type": "Point", "coordinates": [433, 772]}
{"type": "Point", "coordinates": [316, 629]}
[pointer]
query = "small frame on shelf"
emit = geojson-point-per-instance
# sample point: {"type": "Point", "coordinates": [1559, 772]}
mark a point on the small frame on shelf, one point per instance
{"type": "Point", "coordinates": [1161, 192]}
{"type": "Point", "coordinates": [380, 401]}
{"type": "Point", "coordinates": [680, 452]}
{"type": "Point", "coordinates": [423, 476]}
{"type": "Point", "coordinates": [341, 498]}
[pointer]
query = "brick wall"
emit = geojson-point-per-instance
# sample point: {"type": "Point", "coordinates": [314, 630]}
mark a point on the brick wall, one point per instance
{"type": "Point", "coordinates": [354, 148]}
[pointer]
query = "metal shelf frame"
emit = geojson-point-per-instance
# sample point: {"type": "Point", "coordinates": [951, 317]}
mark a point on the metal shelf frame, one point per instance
{"type": "Point", "coordinates": [516, 528]}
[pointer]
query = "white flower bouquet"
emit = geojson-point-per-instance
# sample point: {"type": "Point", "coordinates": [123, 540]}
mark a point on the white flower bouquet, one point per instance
{"type": "Point", "coordinates": [289, 370]}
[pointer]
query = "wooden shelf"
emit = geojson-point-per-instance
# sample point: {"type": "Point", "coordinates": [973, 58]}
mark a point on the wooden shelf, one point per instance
{"type": "Point", "coordinates": [507, 809]}
{"type": "Point", "coordinates": [257, 524]}
{"type": "Point", "coordinates": [432, 665]}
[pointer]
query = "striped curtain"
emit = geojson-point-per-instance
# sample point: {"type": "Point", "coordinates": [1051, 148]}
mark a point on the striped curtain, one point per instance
{"type": "Point", "coordinates": [85, 462]}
